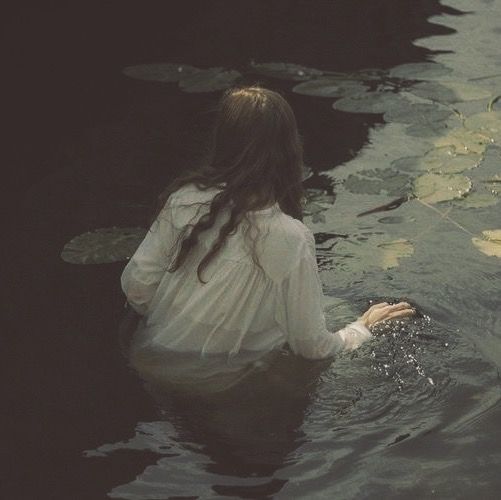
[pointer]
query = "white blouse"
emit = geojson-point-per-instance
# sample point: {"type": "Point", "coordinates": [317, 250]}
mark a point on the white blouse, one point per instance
{"type": "Point", "coordinates": [192, 332]}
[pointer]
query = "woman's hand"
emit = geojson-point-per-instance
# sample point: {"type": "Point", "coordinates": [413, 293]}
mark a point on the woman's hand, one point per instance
{"type": "Point", "coordinates": [384, 311]}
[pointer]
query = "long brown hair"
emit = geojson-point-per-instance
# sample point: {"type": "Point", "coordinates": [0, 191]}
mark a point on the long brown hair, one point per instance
{"type": "Point", "coordinates": [255, 156]}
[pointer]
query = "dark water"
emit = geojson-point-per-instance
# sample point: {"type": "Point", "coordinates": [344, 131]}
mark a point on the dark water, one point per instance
{"type": "Point", "coordinates": [413, 413]}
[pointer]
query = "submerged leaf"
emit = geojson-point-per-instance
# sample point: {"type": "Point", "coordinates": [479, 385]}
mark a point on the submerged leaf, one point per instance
{"type": "Point", "coordinates": [159, 72]}
{"type": "Point", "coordinates": [285, 71]}
{"type": "Point", "coordinates": [374, 181]}
{"type": "Point", "coordinates": [209, 80]}
{"type": "Point", "coordinates": [104, 245]}
{"type": "Point", "coordinates": [490, 244]}
{"type": "Point", "coordinates": [394, 250]}
{"type": "Point", "coordinates": [317, 201]}
{"type": "Point", "coordinates": [433, 188]}
{"type": "Point", "coordinates": [329, 87]}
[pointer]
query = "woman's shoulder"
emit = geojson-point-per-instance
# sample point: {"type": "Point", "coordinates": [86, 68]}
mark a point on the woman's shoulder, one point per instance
{"type": "Point", "coordinates": [191, 193]}
{"type": "Point", "coordinates": [292, 230]}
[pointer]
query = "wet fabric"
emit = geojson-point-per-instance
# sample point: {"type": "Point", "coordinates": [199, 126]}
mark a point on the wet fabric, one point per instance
{"type": "Point", "coordinates": [192, 331]}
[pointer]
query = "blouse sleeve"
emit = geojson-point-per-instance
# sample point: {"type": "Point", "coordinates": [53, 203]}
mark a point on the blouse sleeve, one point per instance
{"type": "Point", "coordinates": [144, 271]}
{"type": "Point", "coordinates": [303, 317]}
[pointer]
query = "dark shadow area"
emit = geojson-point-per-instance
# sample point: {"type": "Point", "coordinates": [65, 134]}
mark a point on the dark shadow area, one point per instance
{"type": "Point", "coordinates": [88, 147]}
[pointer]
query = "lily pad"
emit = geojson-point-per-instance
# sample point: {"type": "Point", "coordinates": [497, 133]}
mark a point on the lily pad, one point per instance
{"type": "Point", "coordinates": [427, 129]}
{"type": "Point", "coordinates": [329, 87]}
{"type": "Point", "coordinates": [465, 141]}
{"type": "Point", "coordinates": [449, 92]}
{"type": "Point", "coordinates": [495, 180]}
{"type": "Point", "coordinates": [371, 102]}
{"type": "Point", "coordinates": [422, 114]}
{"type": "Point", "coordinates": [419, 71]}
{"type": "Point", "coordinates": [444, 160]}
{"type": "Point", "coordinates": [488, 124]}
{"type": "Point", "coordinates": [392, 251]}
{"type": "Point", "coordinates": [285, 71]}
{"type": "Point", "coordinates": [103, 246]}
{"type": "Point", "coordinates": [159, 72]}
{"type": "Point", "coordinates": [490, 244]}
{"type": "Point", "coordinates": [434, 188]}
{"type": "Point", "coordinates": [209, 80]}
{"type": "Point", "coordinates": [477, 200]}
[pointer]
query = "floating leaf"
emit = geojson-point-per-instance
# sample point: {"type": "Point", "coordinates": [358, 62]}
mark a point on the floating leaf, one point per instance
{"type": "Point", "coordinates": [422, 114]}
{"type": "Point", "coordinates": [419, 71]}
{"type": "Point", "coordinates": [371, 102]}
{"type": "Point", "coordinates": [490, 244]}
{"type": "Point", "coordinates": [329, 87]}
{"type": "Point", "coordinates": [444, 160]}
{"type": "Point", "coordinates": [434, 188]}
{"type": "Point", "coordinates": [103, 245]}
{"type": "Point", "coordinates": [427, 129]}
{"type": "Point", "coordinates": [394, 250]}
{"type": "Point", "coordinates": [285, 71]}
{"type": "Point", "coordinates": [488, 124]}
{"type": "Point", "coordinates": [477, 200]}
{"type": "Point", "coordinates": [159, 72]}
{"type": "Point", "coordinates": [209, 80]}
{"type": "Point", "coordinates": [465, 141]}
{"type": "Point", "coordinates": [493, 180]}
{"type": "Point", "coordinates": [449, 92]}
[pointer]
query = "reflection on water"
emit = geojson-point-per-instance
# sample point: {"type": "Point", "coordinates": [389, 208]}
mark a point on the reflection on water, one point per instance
{"type": "Point", "coordinates": [412, 394]}
{"type": "Point", "coordinates": [415, 412]}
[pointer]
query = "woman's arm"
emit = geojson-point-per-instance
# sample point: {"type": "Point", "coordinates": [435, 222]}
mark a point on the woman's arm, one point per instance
{"type": "Point", "coordinates": [144, 271]}
{"type": "Point", "coordinates": [303, 318]}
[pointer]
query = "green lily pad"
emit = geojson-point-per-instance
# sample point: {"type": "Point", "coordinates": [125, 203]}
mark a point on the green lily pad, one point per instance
{"type": "Point", "coordinates": [477, 200]}
{"type": "Point", "coordinates": [159, 72]}
{"type": "Point", "coordinates": [422, 114]}
{"type": "Point", "coordinates": [371, 102]}
{"type": "Point", "coordinates": [329, 87]}
{"type": "Point", "coordinates": [488, 124]}
{"type": "Point", "coordinates": [465, 141]}
{"type": "Point", "coordinates": [449, 92]}
{"type": "Point", "coordinates": [103, 246]}
{"type": "Point", "coordinates": [493, 180]}
{"type": "Point", "coordinates": [419, 71]}
{"type": "Point", "coordinates": [444, 160]}
{"type": "Point", "coordinates": [427, 129]}
{"type": "Point", "coordinates": [434, 188]}
{"type": "Point", "coordinates": [490, 244]}
{"type": "Point", "coordinates": [285, 71]}
{"type": "Point", "coordinates": [209, 80]}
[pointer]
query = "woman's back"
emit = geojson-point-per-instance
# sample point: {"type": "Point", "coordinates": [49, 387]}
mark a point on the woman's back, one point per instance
{"type": "Point", "coordinates": [232, 319]}
{"type": "Point", "coordinates": [221, 282]}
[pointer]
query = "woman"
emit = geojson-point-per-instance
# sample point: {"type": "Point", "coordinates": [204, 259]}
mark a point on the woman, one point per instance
{"type": "Point", "coordinates": [227, 274]}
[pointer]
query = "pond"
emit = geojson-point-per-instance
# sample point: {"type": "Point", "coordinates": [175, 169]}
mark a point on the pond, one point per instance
{"type": "Point", "coordinates": [404, 199]}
